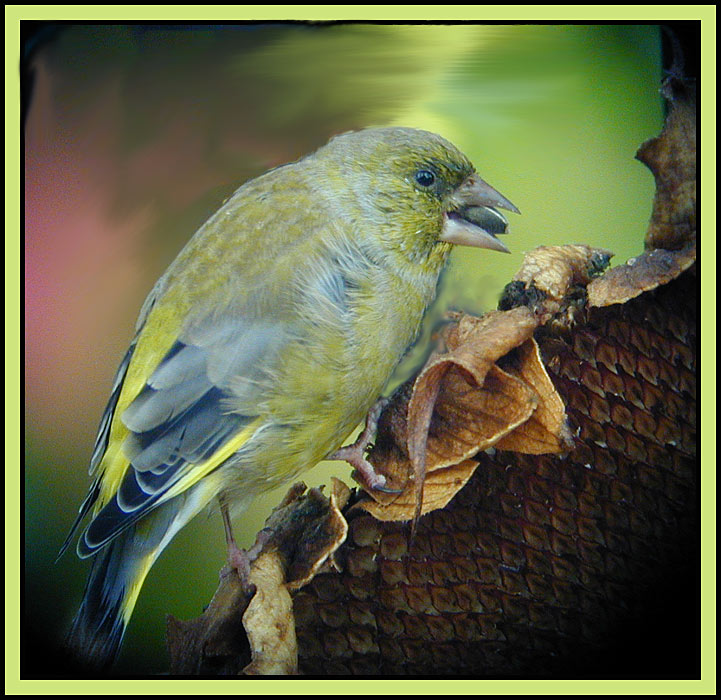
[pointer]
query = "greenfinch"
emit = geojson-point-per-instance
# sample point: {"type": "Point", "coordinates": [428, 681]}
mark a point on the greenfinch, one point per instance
{"type": "Point", "coordinates": [266, 342]}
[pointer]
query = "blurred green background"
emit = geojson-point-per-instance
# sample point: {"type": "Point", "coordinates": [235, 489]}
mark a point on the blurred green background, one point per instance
{"type": "Point", "coordinates": [135, 134]}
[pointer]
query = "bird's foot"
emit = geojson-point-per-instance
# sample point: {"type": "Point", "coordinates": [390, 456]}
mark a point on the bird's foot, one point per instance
{"type": "Point", "coordinates": [240, 559]}
{"type": "Point", "coordinates": [355, 454]}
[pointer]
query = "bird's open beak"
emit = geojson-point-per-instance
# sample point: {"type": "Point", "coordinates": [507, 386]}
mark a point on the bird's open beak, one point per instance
{"type": "Point", "coordinates": [471, 218]}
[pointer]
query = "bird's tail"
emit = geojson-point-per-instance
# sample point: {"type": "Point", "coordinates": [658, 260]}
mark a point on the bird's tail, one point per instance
{"type": "Point", "coordinates": [118, 571]}
{"type": "Point", "coordinates": [116, 576]}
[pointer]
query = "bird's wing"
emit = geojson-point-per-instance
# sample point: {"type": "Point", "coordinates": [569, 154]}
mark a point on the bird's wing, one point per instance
{"type": "Point", "coordinates": [196, 408]}
{"type": "Point", "coordinates": [186, 394]}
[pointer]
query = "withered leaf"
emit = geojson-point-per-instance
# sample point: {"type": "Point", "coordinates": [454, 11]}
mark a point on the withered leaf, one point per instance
{"type": "Point", "coordinates": [304, 532]}
{"type": "Point", "coordinates": [640, 274]}
{"type": "Point", "coordinates": [300, 537]}
{"type": "Point", "coordinates": [546, 431]}
{"type": "Point", "coordinates": [465, 420]}
{"type": "Point", "coordinates": [671, 157]}
{"type": "Point", "coordinates": [306, 529]}
{"type": "Point", "coordinates": [555, 269]}
{"type": "Point", "coordinates": [322, 537]}
{"type": "Point", "coordinates": [463, 402]}
{"type": "Point", "coordinates": [470, 418]}
{"type": "Point", "coordinates": [269, 621]}
{"type": "Point", "coordinates": [439, 488]}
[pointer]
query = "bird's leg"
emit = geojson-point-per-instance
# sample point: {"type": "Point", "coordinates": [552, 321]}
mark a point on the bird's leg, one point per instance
{"type": "Point", "coordinates": [241, 559]}
{"type": "Point", "coordinates": [238, 558]}
{"type": "Point", "coordinates": [355, 454]}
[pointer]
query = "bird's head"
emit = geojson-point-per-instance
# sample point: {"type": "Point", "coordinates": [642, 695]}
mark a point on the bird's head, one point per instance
{"type": "Point", "coordinates": [417, 191]}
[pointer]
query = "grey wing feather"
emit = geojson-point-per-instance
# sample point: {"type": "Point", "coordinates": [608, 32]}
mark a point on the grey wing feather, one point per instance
{"type": "Point", "coordinates": [101, 444]}
{"type": "Point", "coordinates": [202, 393]}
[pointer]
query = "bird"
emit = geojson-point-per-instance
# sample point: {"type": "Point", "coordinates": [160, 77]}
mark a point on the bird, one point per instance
{"type": "Point", "coordinates": [264, 345]}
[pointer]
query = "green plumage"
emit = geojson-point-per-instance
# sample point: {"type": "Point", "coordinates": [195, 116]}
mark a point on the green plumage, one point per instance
{"type": "Point", "coordinates": [267, 341]}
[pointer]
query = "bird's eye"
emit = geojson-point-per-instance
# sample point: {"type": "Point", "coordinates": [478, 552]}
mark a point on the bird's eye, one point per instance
{"type": "Point", "coordinates": [425, 178]}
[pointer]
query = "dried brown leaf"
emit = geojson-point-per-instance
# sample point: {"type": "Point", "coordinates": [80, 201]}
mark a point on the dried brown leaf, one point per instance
{"type": "Point", "coordinates": [546, 431]}
{"type": "Point", "coordinates": [640, 274]}
{"type": "Point", "coordinates": [307, 529]}
{"type": "Point", "coordinates": [470, 418]}
{"type": "Point", "coordinates": [269, 621]}
{"type": "Point", "coordinates": [299, 539]}
{"type": "Point", "coordinates": [467, 407]}
{"type": "Point", "coordinates": [463, 402]}
{"type": "Point", "coordinates": [477, 342]}
{"type": "Point", "coordinates": [440, 487]}
{"type": "Point", "coordinates": [466, 419]}
{"type": "Point", "coordinates": [556, 269]}
{"type": "Point", "coordinates": [671, 157]}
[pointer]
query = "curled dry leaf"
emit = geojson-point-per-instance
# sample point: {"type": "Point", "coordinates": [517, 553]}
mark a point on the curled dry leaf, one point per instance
{"type": "Point", "coordinates": [549, 275]}
{"type": "Point", "coordinates": [555, 269]}
{"type": "Point", "coordinates": [269, 620]}
{"type": "Point", "coordinates": [463, 402]}
{"type": "Point", "coordinates": [468, 417]}
{"type": "Point", "coordinates": [300, 538]}
{"type": "Point", "coordinates": [439, 488]}
{"type": "Point", "coordinates": [306, 528]}
{"type": "Point", "coordinates": [302, 535]}
{"type": "Point", "coordinates": [324, 529]}
{"type": "Point", "coordinates": [546, 431]}
{"type": "Point", "coordinates": [671, 157]}
{"type": "Point", "coordinates": [640, 274]}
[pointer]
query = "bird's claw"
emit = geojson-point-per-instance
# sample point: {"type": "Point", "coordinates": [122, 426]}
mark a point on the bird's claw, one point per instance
{"type": "Point", "coordinates": [386, 489]}
{"type": "Point", "coordinates": [355, 454]}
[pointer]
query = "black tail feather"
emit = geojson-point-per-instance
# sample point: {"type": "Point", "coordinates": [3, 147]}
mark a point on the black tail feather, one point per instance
{"type": "Point", "coordinates": [99, 624]}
